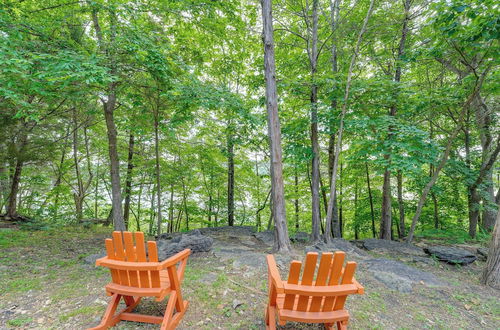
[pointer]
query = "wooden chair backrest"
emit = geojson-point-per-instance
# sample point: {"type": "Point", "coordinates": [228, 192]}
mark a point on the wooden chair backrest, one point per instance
{"type": "Point", "coordinates": [328, 291]}
{"type": "Point", "coordinates": [122, 248]}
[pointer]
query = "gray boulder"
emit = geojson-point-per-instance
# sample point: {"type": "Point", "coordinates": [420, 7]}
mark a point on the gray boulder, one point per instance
{"type": "Point", "coordinates": [337, 244]}
{"type": "Point", "coordinates": [388, 246]}
{"type": "Point", "coordinates": [451, 255]}
{"type": "Point", "coordinates": [266, 237]}
{"type": "Point", "coordinates": [399, 276]}
{"type": "Point", "coordinates": [193, 240]}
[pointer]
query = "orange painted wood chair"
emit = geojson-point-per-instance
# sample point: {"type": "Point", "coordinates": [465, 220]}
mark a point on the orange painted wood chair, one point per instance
{"type": "Point", "coordinates": [312, 300]}
{"type": "Point", "coordinates": [134, 276]}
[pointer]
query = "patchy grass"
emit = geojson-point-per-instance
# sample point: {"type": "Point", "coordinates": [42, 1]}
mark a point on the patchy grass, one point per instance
{"type": "Point", "coordinates": [46, 285]}
{"type": "Point", "coordinates": [19, 322]}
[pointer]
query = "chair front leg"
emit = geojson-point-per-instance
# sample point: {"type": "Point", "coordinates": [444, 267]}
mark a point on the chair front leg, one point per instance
{"type": "Point", "coordinates": [108, 319]}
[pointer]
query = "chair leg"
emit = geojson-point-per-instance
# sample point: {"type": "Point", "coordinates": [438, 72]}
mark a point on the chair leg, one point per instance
{"type": "Point", "coordinates": [328, 326]}
{"type": "Point", "coordinates": [173, 314]}
{"type": "Point", "coordinates": [342, 325]}
{"type": "Point", "coordinates": [270, 318]}
{"type": "Point", "coordinates": [108, 320]}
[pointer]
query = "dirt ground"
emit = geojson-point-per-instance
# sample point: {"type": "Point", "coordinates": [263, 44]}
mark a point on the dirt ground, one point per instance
{"type": "Point", "coordinates": [45, 284]}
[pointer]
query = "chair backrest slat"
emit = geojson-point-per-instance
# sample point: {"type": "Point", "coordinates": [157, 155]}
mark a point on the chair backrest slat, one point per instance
{"type": "Point", "coordinates": [293, 278]}
{"type": "Point", "coordinates": [141, 257]}
{"type": "Point", "coordinates": [307, 279]}
{"type": "Point", "coordinates": [120, 255]}
{"type": "Point", "coordinates": [131, 256]}
{"type": "Point", "coordinates": [346, 279]}
{"type": "Point", "coordinates": [153, 257]}
{"type": "Point", "coordinates": [323, 272]}
{"type": "Point", "coordinates": [110, 250]}
{"type": "Point", "coordinates": [335, 272]}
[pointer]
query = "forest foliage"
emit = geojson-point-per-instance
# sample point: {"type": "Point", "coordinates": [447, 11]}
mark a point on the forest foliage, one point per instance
{"type": "Point", "coordinates": [181, 85]}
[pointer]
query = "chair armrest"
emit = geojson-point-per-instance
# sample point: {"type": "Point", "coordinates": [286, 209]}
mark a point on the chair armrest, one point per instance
{"type": "Point", "coordinates": [361, 289]}
{"type": "Point", "coordinates": [99, 261]}
{"type": "Point", "coordinates": [274, 274]}
{"type": "Point", "coordinates": [173, 260]}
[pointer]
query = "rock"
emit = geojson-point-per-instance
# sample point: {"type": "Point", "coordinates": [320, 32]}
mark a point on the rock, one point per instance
{"type": "Point", "coordinates": [399, 276]}
{"type": "Point", "coordinates": [300, 237]}
{"type": "Point", "coordinates": [451, 255]}
{"type": "Point", "coordinates": [388, 246]}
{"type": "Point", "coordinates": [337, 244]}
{"type": "Point", "coordinates": [266, 237]}
{"type": "Point", "coordinates": [91, 259]}
{"type": "Point", "coordinates": [237, 303]}
{"type": "Point", "coordinates": [482, 254]}
{"type": "Point", "coordinates": [238, 230]}
{"type": "Point", "coordinates": [194, 240]}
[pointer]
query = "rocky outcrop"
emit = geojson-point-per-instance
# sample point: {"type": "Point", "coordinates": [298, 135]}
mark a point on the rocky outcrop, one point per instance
{"type": "Point", "coordinates": [194, 240]}
{"type": "Point", "coordinates": [399, 276]}
{"type": "Point", "coordinates": [337, 244]}
{"type": "Point", "coordinates": [266, 237]}
{"type": "Point", "coordinates": [387, 246]}
{"type": "Point", "coordinates": [451, 255]}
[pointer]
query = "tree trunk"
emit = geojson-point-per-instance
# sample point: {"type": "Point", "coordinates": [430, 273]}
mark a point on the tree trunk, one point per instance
{"type": "Point", "coordinates": [282, 241]}
{"type": "Point", "coordinates": [296, 201]}
{"type": "Point", "coordinates": [79, 194]}
{"type": "Point", "coordinates": [128, 181]}
{"type": "Point", "coordinates": [356, 226]}
{"type": "Point", "coordinates": [14, 189]}
{"type": "Point", "coordinates": [157, 170]}
{"type": "Point", "coordinates": [171, 209]}
{"type": "Point", "coordinates": [401, 205]}
{"type": "Point", "coordinates": [436, 210]}
{"type": "Point", "coordinates": [491, 273]}
{"type": "Point", "coordinates": [184, 198]}
{"type": "Point", "coordinates": [230, 177]}
{"type": "Point", "coordinates": [334, 16]}
{"type": "Point", "coordinates": [109, 107]}
{"type": "Point", "coordinates": [315, 175]}
{"type": "Point", "coordinates": [372, 213]}
{"type": "Point", "coordinates": [386, 217]}
{"type": "Point", "coordinates": [484, 122]}
{"type": "Point", "coordinates": [338, 231]}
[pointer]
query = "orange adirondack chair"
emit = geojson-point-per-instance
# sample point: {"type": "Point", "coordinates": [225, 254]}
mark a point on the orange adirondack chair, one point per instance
{"type": "Point", "coordinates": [134, 277]}
{"type": "Point", "coordinates": [312, 301]}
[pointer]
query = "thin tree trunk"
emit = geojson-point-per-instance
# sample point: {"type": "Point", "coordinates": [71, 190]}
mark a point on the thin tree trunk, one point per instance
{"type": "Point", "coordinates": [282, 241]}
{"type": "Point", "coordinates": [171, 209]}
{"type": "Point", "coordinates": [184, 198]}
{"type": "Point", "coordinates": [14, 189]}
{"type": "Point", "coordinates": [436, 210]}
{"type": "Point", "coordinates": [356, 226]}
{"type": "Point", "coordinates": [329, 216]}
{"type": "Point", "coordinates": [157, 170]}
{"type": "Point", "coordinates": [230, 176]}
{"type": "Point", "coordinates": [296, 201]}
{"type": "Point", "coordinates": [372, 213]}
{"type": "Point", "coordinates": [401, 205]}
{"type": "Point", "coordinates": [109, 107]}
{"type": "Point", "coordinates": [128, 181]}
{"type": "Point", "coordinates": [386, 217]}
{"type": "Point", "coordinates": [315, 175]}
{"type": "Point", "coordinates": [334, 16]}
